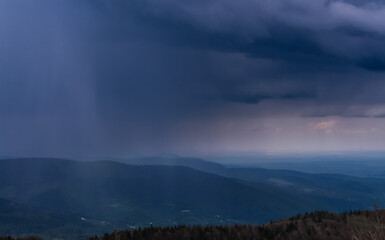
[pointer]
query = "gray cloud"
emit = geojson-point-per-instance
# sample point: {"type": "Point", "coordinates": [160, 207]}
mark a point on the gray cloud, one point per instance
{"type": "Point", "coordinates": [320, 31]}
{"type": "Point", "coordinates": [254, 99]}
{"type": "Point", "coordinates": [103, 77]}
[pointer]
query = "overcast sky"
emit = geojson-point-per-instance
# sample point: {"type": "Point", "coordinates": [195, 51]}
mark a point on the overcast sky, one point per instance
{"type": "Point", "coordinates": [117, 77]}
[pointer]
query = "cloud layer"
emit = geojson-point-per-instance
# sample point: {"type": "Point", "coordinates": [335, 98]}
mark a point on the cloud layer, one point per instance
{"type": "Point", "coordinates": [114, 77]}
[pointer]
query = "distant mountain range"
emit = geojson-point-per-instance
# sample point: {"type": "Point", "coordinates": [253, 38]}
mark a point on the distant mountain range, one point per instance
{"type": "Point", "coordinates": [337, 186]}
{"type": "Point", "coordinates": [354, 166]}
{"type": "Point", "coordinates": [89, 197]}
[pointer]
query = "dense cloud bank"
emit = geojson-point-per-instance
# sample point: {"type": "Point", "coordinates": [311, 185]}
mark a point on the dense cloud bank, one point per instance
{"type": "Point", "coordinates": [79, 77]}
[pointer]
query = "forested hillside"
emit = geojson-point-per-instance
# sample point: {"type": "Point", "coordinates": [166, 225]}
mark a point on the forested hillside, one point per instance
{"type": "Point", "coordinates": [119, 194]}
{"type": "Point", "coordinates": [320, 225]}
{"type": "Point", "coordinates": [75, 200]}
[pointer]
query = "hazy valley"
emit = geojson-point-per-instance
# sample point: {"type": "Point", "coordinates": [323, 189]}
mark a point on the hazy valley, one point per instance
{"type": "Point", "coordinates": [76, 199]}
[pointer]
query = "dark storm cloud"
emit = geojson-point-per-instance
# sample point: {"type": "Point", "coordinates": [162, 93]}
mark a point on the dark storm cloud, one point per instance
{"type": "Point", "coordinates": [321, 31]}
{"type": "Point", "coordinates": [254, 99]}
{"type": "Point", "coordinates": [112, 76]}
{"type": "Point", "coordinates": [304, 38]}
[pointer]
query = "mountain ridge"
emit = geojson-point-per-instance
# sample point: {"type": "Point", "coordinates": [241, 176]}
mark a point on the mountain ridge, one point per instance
{"type": "Point", "coordinates": [119, 195]}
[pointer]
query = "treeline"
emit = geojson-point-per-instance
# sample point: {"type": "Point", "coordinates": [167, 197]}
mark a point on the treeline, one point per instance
{"type": "Point", "coordinates": [318, 225]}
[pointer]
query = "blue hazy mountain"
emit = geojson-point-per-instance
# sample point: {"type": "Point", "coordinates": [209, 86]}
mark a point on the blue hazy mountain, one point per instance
{"type": "Point", "coordinates": [358, 163]}
{"type": "Point", "coordinates": [337, 186]}
{"type": "Point", "coordinates": [117, 195]}
{"type": "Point", "coordinates": [22, 220]}
{"type": "Point", "coordinates": [137, 195]}
{"type": "Point", "coordinates": [360, 167]}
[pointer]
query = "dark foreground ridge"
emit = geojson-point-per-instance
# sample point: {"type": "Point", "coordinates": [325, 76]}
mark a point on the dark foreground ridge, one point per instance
{"type": "Point", "coordinates": [318, 225]}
